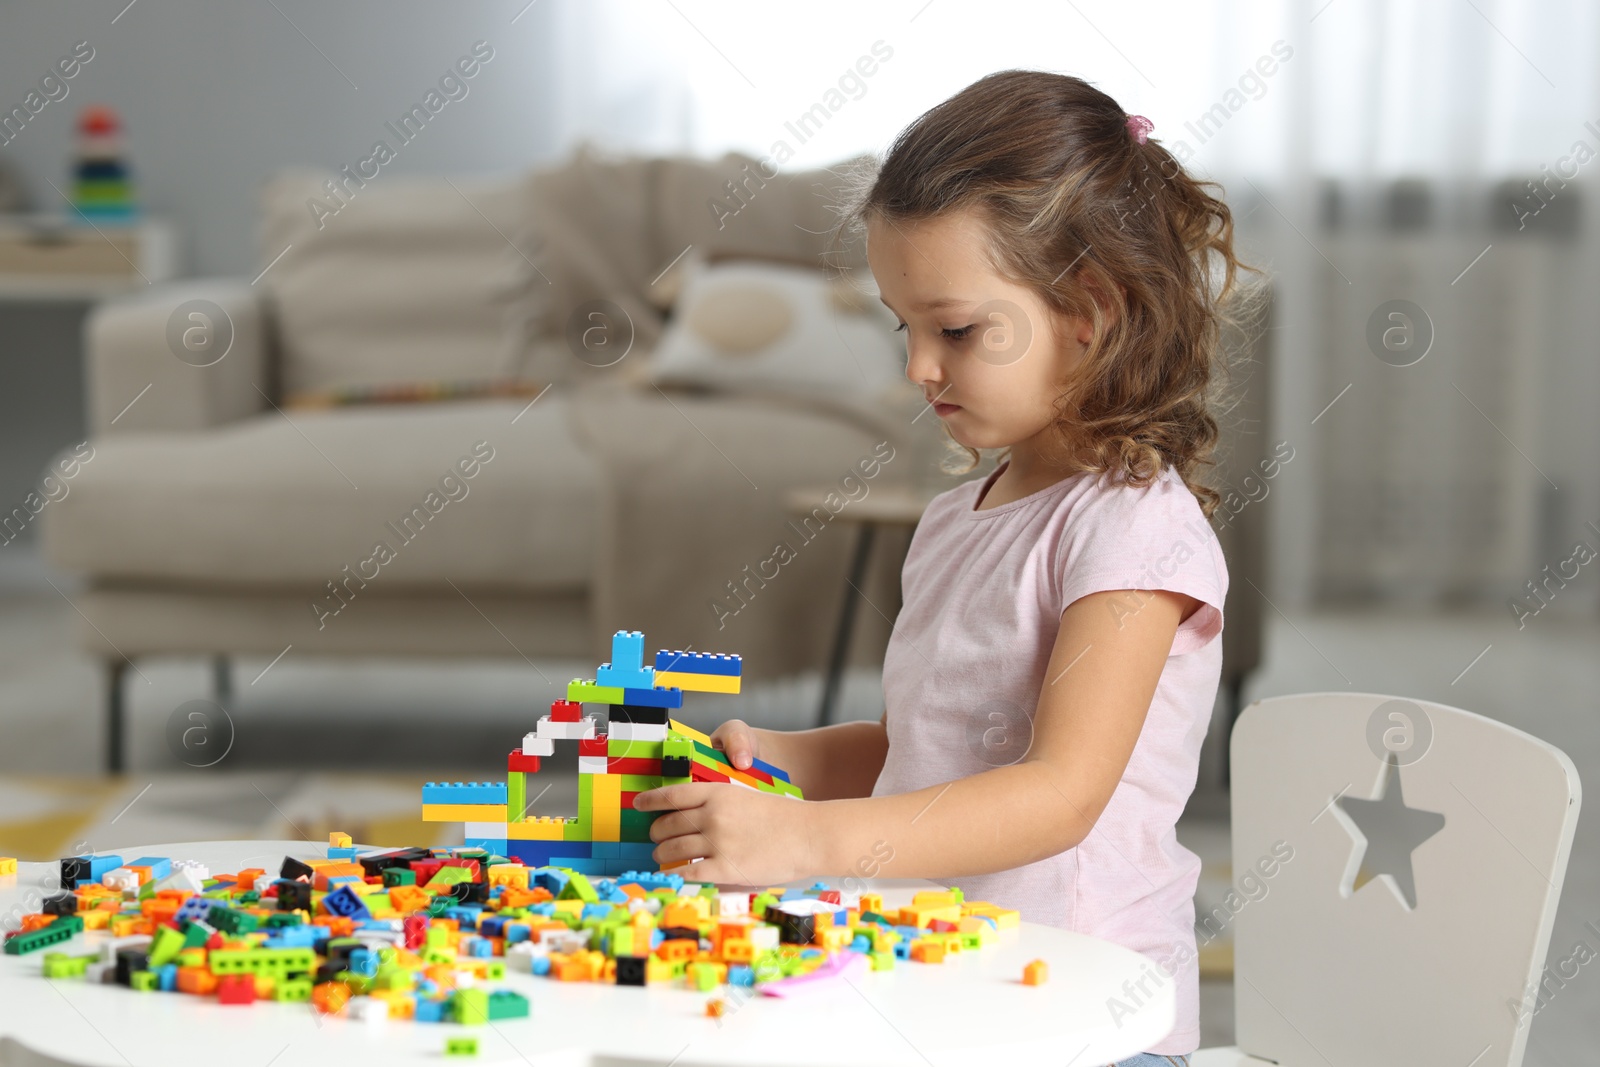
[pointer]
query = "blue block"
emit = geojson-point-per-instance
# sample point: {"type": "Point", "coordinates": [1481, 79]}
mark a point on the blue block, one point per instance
{"type": "Point", "coordinates": [769, 769]}
{"type": "Point", "coordinates": [648, 880]}
{"type": "Point", "coordinates": [464, 793]}
{"type": "Point", "coordinates": [627, 650]}
{"type": "Point", "coordinates": [671, 698]}
{"type": "Point", "coordinates": [196, 908]}
{"type": "Point", "coordinates": [595, 911]}
{"type": "Point", "coordinates": [335, 853]}
{"type": "Point", "coordinates": [549, 878]}
{"type": "Point", "coordinates": [344, 901]}
{"type": "Point", "coordinates": [741, 974]}
{"type": "Point", "coordinates": [159, 866]}
{"type": "Point", "coordinates": [429, 1011]}
{"type": "Point", "coordinates": [699, 663]}
{"type": "Point", "coordinates": [99, 865]}
{"type": "Point", "coordinates": [515, 931]}
{"type": "Point", "coordinates": [493, 844]}
{"type": "Point", "coordinates": [604, 850]}
{"type": "Point", "coordinates": [581, 864]}
{"type": "Point", "coordinates": [167, 978]}
{"type": "Point", "coordinates": [637, 852]}
{"type": "Point", "coordinates": [541, 965]}
{"type": "Point", "coordinates": [364, 961]}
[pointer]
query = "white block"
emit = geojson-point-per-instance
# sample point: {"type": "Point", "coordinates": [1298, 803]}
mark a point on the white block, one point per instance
{"type": "Point", "coordinates": [730, 905]}
{"type": "Point", "coordinates": [263, 883]}
{"type": "Point", "coordinates": [638, 731]}
{"type": "Point", "coordinates": [549, 729]}
{"type": "Point", "coordinates": [123, 879]}
{"type": "Point", "coordinates": [194, 867]}
{"type": "Point", "coordinates": [370, 1010]}
{"type": "Point", "coordinates": [108, 949]}
{"type": "Point", "coordinates": [534, 745]}
{"type": "Point", "coordinates": [495, 830]}
{"type": "Point", "coordinates": [591, 764]}
{"type": "Point", "coordinates": [763, 937]}
{"type": "Point", "coordinates": [102, 973]}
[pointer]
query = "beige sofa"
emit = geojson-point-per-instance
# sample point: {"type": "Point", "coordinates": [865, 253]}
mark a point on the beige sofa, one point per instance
{"type": "Point", "coordinates": [216, 518]}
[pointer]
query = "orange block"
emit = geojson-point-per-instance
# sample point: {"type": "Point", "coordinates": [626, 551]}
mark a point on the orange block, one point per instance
{"type": "Point", "coordinates": [738, 950]}
{"type": "Point", "coordinates": [716, 1007]}
{"type": "Point", "coordinates": [336, 870]}
{"type": "Point", "coordinates": [329, 998]}
{"type": "Point", "coordinates": [338, 925]}
{"type": "Point", "coordinates": [247, 878]}
{"type": "Point", "coordinates": [36, 921]}
{"type": "Point", "coordinates": [1036, 973]}
{"type": "Point", "coordinates": [678, 948]}
{"type": "Point", "coordinates": [143, 873]}
{"type": "Point", "coordinates": [407, 898]}
{"type": "Point", "coordinates": [198, 980]}
{"type": "Point", "coordinates": [926, 950]}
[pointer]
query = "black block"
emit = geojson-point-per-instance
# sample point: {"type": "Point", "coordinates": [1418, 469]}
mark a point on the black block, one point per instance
{"type": "Point", "coordinates": [400, 857]}
{"type": "Point", "coordinates": [294, 896]}
{"type": "Point", "coordinates": [293, 868]}
{"type": "Point", "coordinates": [630, 970]}
{"type": "Point", "coordinates": [60, 904]}
{"type": "Point", "coordinates": [675, 767]}
{"type": "Point", "coordinates": [130, 960]}
{"type": "Point", "coordinates": [680, 933]}
{"type": "Point", "coordinates": [74, 869]}
{"type": "Point", "coordinates": [638, 713]}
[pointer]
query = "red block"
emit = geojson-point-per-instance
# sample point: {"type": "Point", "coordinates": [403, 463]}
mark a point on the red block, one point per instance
{"type": "Point", "coordinates": [699, 772]}
{"type": "Point", "coordinates": [416, 930]}
{"type": "Point", "coordinates": [518, 762]}
{"type": "Point", "coordinates": [633, 765]}
{"type": "Point", "coordinates": [236, 989]}
{"type": "Point", "coordinates": [830, 896]}
{"type": "Point", "coordinates": [627, 800]}
{"type": "Point", "coordinates": [592, 746]}
{"type": "Point", "coordinates": [426, 869]}
{"type": "Point", "coordinates": [214, 941]}
{"type": "Point", "coordinates": [565, 711]}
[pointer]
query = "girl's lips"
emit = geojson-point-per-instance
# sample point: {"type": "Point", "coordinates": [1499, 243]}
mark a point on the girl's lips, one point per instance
{"type": "Point", "coordinates": [944, 409]}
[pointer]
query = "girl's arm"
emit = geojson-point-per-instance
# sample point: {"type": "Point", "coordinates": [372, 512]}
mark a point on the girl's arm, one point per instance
{"type": "Point", "coordinates": [827, 763]}
{"type": "Point", "coordinates": [1102, 675]}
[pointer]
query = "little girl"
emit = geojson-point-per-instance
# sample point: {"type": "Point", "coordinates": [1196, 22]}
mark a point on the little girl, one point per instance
{"type": "Point", "coordinates": [1052, 672]}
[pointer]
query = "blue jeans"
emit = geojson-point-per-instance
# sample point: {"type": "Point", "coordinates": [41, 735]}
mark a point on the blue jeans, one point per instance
{"type": "Point", "coordinates": [1145, 1059]}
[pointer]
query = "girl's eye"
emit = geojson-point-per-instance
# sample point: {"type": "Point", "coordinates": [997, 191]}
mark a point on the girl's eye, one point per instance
{"type": "Point", "coordinates": [959, 335]}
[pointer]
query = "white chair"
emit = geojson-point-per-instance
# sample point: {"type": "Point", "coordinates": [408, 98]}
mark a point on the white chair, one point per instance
{"type": "Point", "coordinates": [1392, 934]}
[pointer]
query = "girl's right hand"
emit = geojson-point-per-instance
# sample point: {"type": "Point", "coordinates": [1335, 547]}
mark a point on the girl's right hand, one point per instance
{"type": "Point", "coordinates": [737, 739]}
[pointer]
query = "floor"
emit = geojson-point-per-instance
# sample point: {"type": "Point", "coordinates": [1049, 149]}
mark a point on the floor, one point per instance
{"type": "Point", "coordinates": [291, 770]}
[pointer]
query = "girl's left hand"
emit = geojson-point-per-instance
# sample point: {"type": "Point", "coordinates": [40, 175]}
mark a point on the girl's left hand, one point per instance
{"type": "Point", "coordinates": [741, 836]}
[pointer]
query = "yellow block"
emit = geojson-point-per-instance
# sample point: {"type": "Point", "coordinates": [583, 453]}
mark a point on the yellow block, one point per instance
{"type": "Point", "coordinates": [698, 683]}
{"type": "Point", "coordinates": [688, 731]}
{"type": "Point", "coordinates": [1005, 918]}
{"type": "Point", "coordinates": [509, 874]}
{"type": "Point", "coordinates": [606, 810]}
{"type": "Point", "coordinates": [536, 828]}
{"type": "Point", "coordinates": [463, 813]}
{"type": "Point", "coordinates": [338, 840]}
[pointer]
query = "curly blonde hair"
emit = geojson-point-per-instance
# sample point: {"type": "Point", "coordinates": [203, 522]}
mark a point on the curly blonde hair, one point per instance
{"type": "Point", "coordinates": [1101, 227]}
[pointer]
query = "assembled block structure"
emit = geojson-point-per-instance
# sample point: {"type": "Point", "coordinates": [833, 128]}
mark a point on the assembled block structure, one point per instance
{"type": "Point", "coordinates": [638, 747]}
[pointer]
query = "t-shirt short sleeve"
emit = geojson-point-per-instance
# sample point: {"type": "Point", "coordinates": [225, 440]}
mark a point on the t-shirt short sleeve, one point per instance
{"type": "Point", "coordinates": [1145, 538]}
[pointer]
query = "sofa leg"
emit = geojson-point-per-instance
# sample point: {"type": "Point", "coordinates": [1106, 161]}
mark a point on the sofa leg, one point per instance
{"type": "Point", "coordinates": [221, 680]}
{"type": "Point", "coordinates": [116, 712]}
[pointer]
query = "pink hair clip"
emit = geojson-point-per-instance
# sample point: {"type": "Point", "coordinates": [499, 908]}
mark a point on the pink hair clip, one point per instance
{"type": "Point", "coordinates": [1140, 127]}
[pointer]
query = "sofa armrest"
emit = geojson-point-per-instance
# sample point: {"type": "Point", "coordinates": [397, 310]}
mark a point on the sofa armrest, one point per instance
{"type": "Point", "coordinates": [136, 377]}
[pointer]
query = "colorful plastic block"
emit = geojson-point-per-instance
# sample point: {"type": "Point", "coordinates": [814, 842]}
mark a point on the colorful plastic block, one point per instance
{"type": "Point", "coordinates": [1036, 972]}
{"type": "Point", "coordinates": [8, 865]}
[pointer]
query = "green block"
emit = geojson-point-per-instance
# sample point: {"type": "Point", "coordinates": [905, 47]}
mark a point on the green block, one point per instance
{"type": "Point", "coordinates": [165, 946]}
{"type": "Point", "coordinates": [194, 935]}
{"type": "Point", "coordinates": [633, 749]}
{"type": "Point", "coordinates": [505, 1004]}
{"type": "Point", "coordinates": [582, 828]}
{"type": "Point", "coordinates": [276, 962]}
{"type": "Point", "coordinates": [231, 922]}
{"type": "Point", "coordinates": [439, 905]}
{"type": "Point", "coordinates": [393, 876]}
{"type": "Point", "coordinates": [578, 887]}
{"type": "Point", "coordinates": [587, 692]}
{"type": "Point", "coordinates": [470, 1007]}
{"type": "Point", "coordinates": [61, 965]}
{"type": "Point", "coordinates": [359, 984]}
{"type": "Point", "coordinates": [516, 794]}
{"type": "Point", "coordinates": [144, 981]}
{"type": "Point", "coordinates": [704, 977]}
{"type": "Point", "coordinates": [638, 783]}
{"type": "Point", "coordinates": [882, 961]}
{"type": "Point", "coordinates": [636, 825]}
{"type": "Point", "coordinates": [678, 745]}
{"type": "Point", "coordinates": [450, 876]}
{"type": "Point", "coordinates": [461, 1046]}
{"type": "Point", "coordinates": [292, 990]}
{"type": "Point", "coordinates": [621, 941]}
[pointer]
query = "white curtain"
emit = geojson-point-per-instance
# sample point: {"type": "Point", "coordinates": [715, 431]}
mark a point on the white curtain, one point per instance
{"type": "Point", "coordinates": [1372, 152]}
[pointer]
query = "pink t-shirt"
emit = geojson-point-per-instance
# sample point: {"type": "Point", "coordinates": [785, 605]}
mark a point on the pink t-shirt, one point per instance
{"type": "Point", "coordinates": [983, 597]}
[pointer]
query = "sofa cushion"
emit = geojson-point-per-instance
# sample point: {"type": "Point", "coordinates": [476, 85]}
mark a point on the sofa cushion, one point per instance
{"type": "Point", "coordinates": [270, 500]}
{"type": "Point", "coordinates": [404, 284]}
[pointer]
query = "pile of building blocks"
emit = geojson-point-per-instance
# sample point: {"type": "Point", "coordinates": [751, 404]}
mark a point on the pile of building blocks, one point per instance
{"type": "Point", "coordinates": [416, 933]}
{"type": "Point", "coordinates": [638, 747]}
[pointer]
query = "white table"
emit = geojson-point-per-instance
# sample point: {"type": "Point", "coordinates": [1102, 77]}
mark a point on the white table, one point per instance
{"type": "Point", "coordinates": [971, 1009]}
